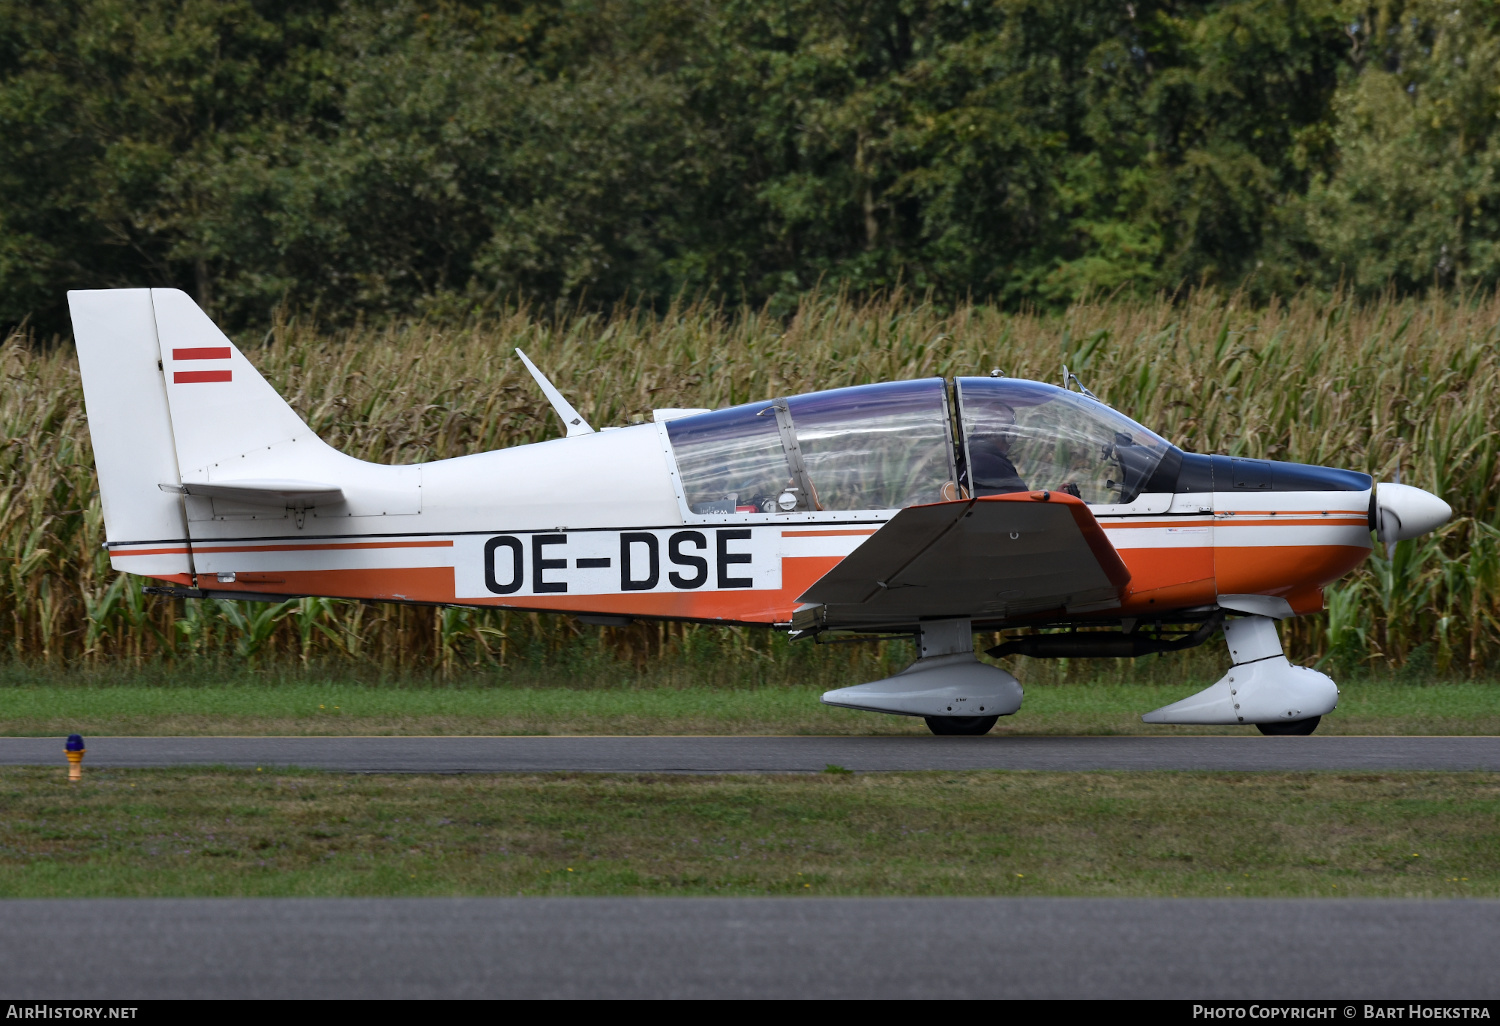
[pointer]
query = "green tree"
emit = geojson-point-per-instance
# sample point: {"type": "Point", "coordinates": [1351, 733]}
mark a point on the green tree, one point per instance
{"type": "Point", "coordinates": [442, 155]}
{"type": "Point", "coordinates": [1018, 149]}
{"type": "Point", "coordinates": [1414, 198]}
{"type": "Point", "coordinates": [104, 105]}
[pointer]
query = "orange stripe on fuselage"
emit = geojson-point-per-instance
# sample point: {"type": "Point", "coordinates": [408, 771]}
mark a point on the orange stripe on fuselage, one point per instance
{"type": "Point", "coordinates": [1300, 519]}
{"type": "Point", "coordinates": [825, 534]}
{"type": "Point", "coordinates": [435, 584]}
{"type": "Point", "coordinates": [208, 548]}
{"type": "Point", "coordinates": [798, 573]}
{"type": "Point", "coordinates": [1154, 569]}
{"type": "Point", "coordinates": [1282, 569]}
{"type": "Point", "coordinates": [1292, 518]}
{"type": "Point", "coordinates": [404, 584]}
{"type": "Point", "coordinates": [1361, 513]}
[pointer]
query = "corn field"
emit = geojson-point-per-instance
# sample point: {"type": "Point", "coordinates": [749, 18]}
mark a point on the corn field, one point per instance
{"type": "Point", "coordinates": [1405, 384]}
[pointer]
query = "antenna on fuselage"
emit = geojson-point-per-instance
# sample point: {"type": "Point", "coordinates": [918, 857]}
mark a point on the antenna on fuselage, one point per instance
{"type": "Point", "coordinates": [1069, 376]}
{"type": "Point", "coordinates": [571, 418]}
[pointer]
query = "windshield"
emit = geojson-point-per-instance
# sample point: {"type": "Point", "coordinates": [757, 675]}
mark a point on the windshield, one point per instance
{"type": "Point", "coordinates": [1027, 436]}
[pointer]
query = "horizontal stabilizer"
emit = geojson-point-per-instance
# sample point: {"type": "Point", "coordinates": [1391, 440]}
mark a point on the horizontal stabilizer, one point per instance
{"type": "Point", "coordinates": [275, 493]}
{"type": "Point", "coordinates": [991, 558]}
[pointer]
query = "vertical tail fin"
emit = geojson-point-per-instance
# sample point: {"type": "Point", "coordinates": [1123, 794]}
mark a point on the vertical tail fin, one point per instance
{"type": "Point", "coordinates": [173, 404]}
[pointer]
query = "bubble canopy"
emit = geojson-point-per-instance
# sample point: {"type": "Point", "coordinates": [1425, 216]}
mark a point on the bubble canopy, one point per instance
{"type": "Point", "coordinates": [892, 445]}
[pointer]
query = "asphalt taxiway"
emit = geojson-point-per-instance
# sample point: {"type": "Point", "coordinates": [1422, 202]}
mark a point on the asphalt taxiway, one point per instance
{"type": "Point", "coordinates": [773, 754]}
{"type": "Point", "coordinates": [123, 949]}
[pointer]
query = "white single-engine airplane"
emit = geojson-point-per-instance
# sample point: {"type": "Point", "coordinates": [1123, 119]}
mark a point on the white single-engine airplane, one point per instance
{"type": "Point", "coordinates": [930, 508]}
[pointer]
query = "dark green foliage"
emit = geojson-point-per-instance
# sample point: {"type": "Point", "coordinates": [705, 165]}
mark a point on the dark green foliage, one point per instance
{"type": "Point", "coordinates": [363, 159]}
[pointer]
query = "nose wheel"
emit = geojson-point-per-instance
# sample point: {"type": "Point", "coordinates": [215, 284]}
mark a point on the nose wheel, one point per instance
{"type": "Point", "coordinates": [971, 726]}
{"type": "Point", "coordinates": [1262, 689]}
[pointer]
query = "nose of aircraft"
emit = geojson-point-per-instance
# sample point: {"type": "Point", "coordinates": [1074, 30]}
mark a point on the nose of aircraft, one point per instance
{"type": "Point", "coordinates": [1403, 512]}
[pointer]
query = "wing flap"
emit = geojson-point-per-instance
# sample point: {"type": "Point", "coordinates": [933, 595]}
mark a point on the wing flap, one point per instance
{"type": "Point", "coordinates": [991, 558]}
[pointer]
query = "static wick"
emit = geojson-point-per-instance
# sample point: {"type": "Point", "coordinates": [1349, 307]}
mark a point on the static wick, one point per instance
{"type": "Point", "coordinates": [74, 750]}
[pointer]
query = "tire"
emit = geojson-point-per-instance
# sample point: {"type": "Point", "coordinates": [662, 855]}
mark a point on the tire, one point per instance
{"type": "Point", "coordinates": [1290, 728]}
{"type": "Point", "coordinates": [971, 726]}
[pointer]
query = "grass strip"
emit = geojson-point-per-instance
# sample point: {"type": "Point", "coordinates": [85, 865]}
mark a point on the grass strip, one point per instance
{"type": "Point", "coordinates": [211, 832]}
{"type": "Point", "coordinates": [347, 708]}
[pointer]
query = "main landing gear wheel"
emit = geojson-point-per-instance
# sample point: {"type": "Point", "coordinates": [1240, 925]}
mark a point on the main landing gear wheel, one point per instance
{"type": "Point", "coordinates": [972, 726]}
{"type": "Point", "coordinates": [1290, 728]}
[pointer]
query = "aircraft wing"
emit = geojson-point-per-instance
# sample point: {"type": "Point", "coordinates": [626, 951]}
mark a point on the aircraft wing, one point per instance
{"type": "Point", "coordinates": [992, 558]}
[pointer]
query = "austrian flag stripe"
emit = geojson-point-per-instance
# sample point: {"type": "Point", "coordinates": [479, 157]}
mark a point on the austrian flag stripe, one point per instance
{"type": "Point", "coordinates": [201, 353]}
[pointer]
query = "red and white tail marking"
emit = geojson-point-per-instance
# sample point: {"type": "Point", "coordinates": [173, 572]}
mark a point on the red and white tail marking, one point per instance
{"type": "Point", "coordinates": [197, 377]}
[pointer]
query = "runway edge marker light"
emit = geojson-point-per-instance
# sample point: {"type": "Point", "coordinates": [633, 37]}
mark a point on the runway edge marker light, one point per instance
{"type": "Point", "coordinates": [74, 750]}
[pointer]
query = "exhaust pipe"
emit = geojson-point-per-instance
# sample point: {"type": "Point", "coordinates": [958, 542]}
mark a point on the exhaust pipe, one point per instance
{"type": "Point", "coordinates": [1102, 644]}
